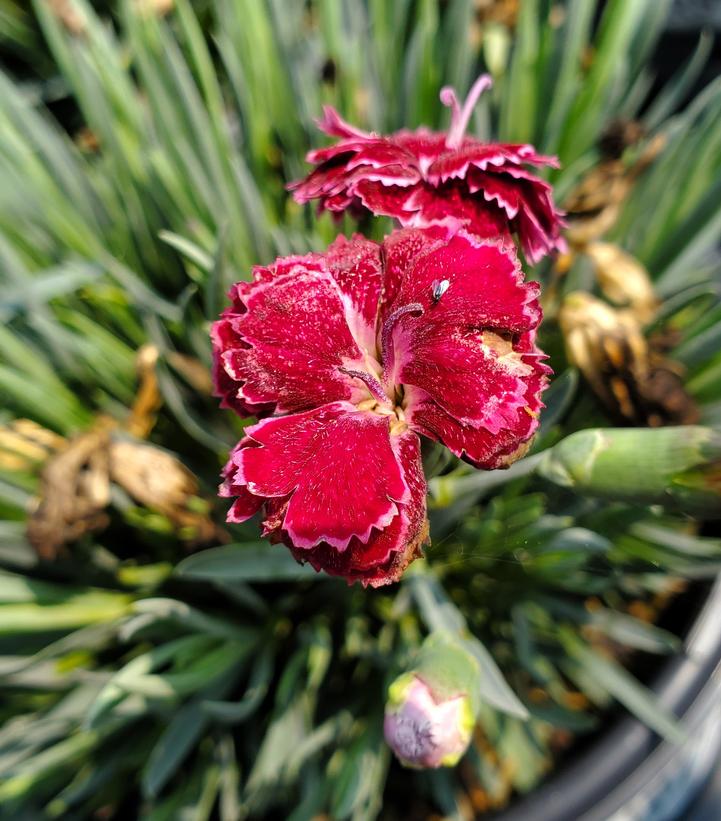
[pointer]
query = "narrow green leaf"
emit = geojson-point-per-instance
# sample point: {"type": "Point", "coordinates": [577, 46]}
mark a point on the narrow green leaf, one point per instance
{"type": "Point", "coordinates": [558, 399]}
{"type": "Point", "coordinates": [254, 562]}
{"type": "Point", "coordinates": [188, 249]}
{"type": "Point", "coordinates": [633, 632]}
{"type": "Point", "coordinates": [637, 698]}
{"type": "Point", "coordinates": [358, 788]}
{"type": "Point", "coordinates": [195, 619]}
{"type": "Point", "coordinates": [494, 688]}
{"type": "Point", "coordinates": [235, 712]}
{"type": "Point", "coordinates": [668, 99]}
{"type": "Point", "coordinates": [173, 747]}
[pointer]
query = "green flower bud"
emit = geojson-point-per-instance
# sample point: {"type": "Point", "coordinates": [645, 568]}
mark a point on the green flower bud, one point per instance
{"type": "Point", "coordinates": [678, 467]}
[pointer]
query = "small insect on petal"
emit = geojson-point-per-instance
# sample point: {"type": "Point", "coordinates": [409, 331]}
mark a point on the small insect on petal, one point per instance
{"type": "Point", "coordinates": [438, 288]}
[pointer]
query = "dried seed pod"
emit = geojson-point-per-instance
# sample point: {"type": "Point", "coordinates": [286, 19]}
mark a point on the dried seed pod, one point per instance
{"type": "Point", "coordinates": [609, 349]}
{"type": "Point", "coordinates": [24, 444]}
{"type": "Point", "coordinates": [147, 400]}
{"type": "Point", "coordinates": [667, 402]}
{"type": "Point", "coordinates": [593, 205]}
{"type": "Point", "coordinates": [76, 480]}
{"type": "Point", "coordinates": [635, 382]}
{"type": "Point", "coordinates": [153, 477]}
{"type": "Point", "coordinates": [623, 280]}
{"type": "Point", "coordinates": [619, 135]}
{"type": "Point", "coordinates": [159, 481]}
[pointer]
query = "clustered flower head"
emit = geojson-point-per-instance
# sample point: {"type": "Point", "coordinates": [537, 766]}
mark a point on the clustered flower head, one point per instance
{"type": "Point", "coordinates": [347, 358]}
{"type": "Point", "coordinates": [424, 178]}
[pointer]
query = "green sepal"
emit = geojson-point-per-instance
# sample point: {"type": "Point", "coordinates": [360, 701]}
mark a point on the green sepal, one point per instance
{"type": "Point", "coordinates": [449, 670]}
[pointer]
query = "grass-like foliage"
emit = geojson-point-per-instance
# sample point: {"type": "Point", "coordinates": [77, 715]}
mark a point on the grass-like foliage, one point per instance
{"type": "Point", "coordinates": [144, 152]}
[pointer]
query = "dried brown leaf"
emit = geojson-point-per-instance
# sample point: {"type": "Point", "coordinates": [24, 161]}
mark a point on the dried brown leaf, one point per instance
{"type": "Point", "coordinates": [148, 400]}
{"type": "Point", "coordinates": [75, 489]}
{"type": "Point", "coordinates": [501, 12]}
{"type": "Point", "coordinates": [69, 15]}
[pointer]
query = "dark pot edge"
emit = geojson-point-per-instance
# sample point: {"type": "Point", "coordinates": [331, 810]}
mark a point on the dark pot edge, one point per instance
{"type": "Point", "coordinates": [602, 769]}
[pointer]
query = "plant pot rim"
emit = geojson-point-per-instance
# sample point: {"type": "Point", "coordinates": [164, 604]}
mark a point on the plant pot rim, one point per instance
{"type": "Point", "coordinates": [608, 771]}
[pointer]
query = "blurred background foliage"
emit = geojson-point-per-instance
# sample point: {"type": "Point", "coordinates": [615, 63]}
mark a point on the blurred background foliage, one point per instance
{"type": "Point", "coordinates": [144, 149]}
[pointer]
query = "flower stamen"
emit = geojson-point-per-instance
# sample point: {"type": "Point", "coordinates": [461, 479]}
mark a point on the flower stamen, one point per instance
{"type": "Point", "coordinates": [460, 117]}
{"type": "Point", "coordinates": [412, 308]}
{"type": "Point", "coordinates": [370, 381]}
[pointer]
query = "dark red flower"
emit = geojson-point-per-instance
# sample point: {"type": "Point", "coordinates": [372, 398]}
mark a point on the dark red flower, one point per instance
{"type": "Point", "coordinates": [346, 357]}
{"type": "Point", "coordinates": [424, 178]}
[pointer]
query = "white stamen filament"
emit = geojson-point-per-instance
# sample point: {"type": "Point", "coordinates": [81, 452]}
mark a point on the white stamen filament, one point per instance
{"type": "Point", "coordinates": [460, 117]}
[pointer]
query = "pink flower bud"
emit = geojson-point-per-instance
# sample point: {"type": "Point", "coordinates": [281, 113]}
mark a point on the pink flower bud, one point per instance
{"type": "Point", "coordinates": [424, 729]}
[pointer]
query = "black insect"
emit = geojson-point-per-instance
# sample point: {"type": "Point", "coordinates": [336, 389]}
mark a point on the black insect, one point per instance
{"type": "Point", "coordinates": [438, 288]}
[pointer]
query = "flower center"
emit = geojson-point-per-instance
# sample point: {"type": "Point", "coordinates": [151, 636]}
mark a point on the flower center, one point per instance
{"type": "Point", "coordinates": [379, 377]}
{"type": "Point", "coordinates": [460, 117]}
{"type": "Point", "coordinates": [383, 400]}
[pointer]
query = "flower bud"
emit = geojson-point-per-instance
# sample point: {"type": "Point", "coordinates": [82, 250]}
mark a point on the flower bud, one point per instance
{"type": "Point", "coordinates": [431, 711]}
{"type": "Point", "coordinates": [678, 467]}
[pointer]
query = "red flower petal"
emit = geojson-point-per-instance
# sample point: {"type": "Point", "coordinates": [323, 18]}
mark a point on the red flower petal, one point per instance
{"type": "Point", "coordinates": [422, 143]}
{"type": "Point", "coordinates": [327, 180]}
{"type": "Point", "coordinates": [388, 552]}
{"type": "Point", "coordinates": [451, 206]}
{"type": "Point", "coordinates": [469, 379]}
{"type": "Point", "coordinates": [478, 445]}
{"type": "Point", "coordinates": [499, 187]}
{"type": "Point", "coordinates": [400, 249]}
{"type": "Point", "coordinates": [337, 464]}
{"type": "Point", "coordinates": [357, 268]}
{"type": "Point", "coordinates": [284, 342]}
{"type": "Point", "coordinates": [460, 351]}
{"type": "Point", "coordinates": [335, 126]}
{"type": "Point", "coordinates": [485, 286]}
{"type": "Point", "coordinates": [245, 505]}
{"type": "Point", "coordinates": [223, 338]}
{"type": "Point", "coordinates": [537, 224]}
{"type": "Point", "coordinates": [385, 199]}
{"type": "Point", "coordinates": [492, 156]}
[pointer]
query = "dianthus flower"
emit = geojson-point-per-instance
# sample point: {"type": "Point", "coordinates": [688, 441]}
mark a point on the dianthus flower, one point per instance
{"type": "Point", "coordinates": [346, 357]}
{"type": "Point", "coordinates": [424, 178]}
